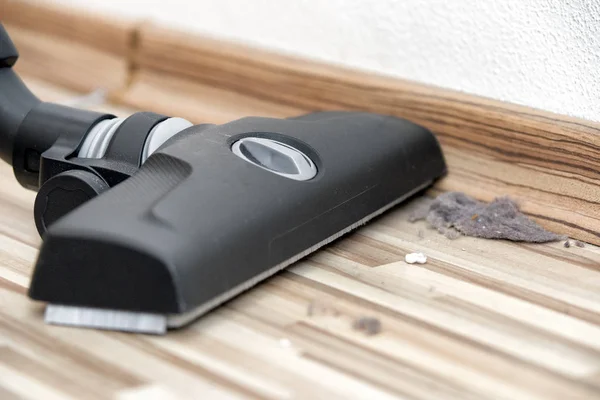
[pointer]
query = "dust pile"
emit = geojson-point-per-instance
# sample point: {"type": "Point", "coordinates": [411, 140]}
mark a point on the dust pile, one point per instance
{"type": "Point", "coordinates": [454, 214]}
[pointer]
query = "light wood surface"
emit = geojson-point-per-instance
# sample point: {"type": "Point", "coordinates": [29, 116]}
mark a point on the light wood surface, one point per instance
{"type": "Point", "coordinates": [549, 162]}
{"type": "Point", "coordinates": [481, 320]}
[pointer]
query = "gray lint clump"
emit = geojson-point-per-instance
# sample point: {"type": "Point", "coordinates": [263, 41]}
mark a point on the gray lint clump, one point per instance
{"type": "Point", "coordinates": [454, 213]}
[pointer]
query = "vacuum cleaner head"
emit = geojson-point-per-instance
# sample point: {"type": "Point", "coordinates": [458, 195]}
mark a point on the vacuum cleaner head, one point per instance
{"type": "Point", "coordinates": [148, 222]}
{"type": "Point", "coordinates": [220, 208]}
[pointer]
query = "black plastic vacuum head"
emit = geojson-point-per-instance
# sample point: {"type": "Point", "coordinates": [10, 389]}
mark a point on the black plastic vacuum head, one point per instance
{"type": "Point", "coordinates": [219, 208]}
{"type": "Point", "coordinates": [148, 221]}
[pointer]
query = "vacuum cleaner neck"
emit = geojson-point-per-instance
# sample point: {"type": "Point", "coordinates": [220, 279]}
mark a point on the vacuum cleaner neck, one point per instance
{"type": "Point", "coordinates": [70, 155]}
{"type": "Point", "coordinates": [30, 127]}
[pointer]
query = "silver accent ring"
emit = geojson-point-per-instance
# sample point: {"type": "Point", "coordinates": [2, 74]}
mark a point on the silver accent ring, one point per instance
{"type": "Point", "coordinates": [98, 138]}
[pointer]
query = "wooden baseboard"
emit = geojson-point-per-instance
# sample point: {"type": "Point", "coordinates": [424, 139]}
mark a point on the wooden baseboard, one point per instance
{"type": "Point", "coordinates": [71, 63]}
{"type": "Point", "coordinates": [550, 163]}
{"type": "Point", "coordinates": [109, 34]}
{"type": "Point", "coordinates": [197, 101]}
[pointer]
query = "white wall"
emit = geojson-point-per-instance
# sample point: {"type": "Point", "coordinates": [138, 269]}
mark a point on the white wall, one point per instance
{"type": "Point", "coordinates": [542, 53]}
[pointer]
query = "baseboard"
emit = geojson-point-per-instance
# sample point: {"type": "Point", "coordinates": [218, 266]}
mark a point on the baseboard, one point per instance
{"type": "Point", "coordinates": [550, 163]}
{"type": "Point", "coordinates": [111, 34]}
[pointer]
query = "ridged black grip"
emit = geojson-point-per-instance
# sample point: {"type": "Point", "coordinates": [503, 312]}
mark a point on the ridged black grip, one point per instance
{"type": "Point", "coordinates": [128, 142]}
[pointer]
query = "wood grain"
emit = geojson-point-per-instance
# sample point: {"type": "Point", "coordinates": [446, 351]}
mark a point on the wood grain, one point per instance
{"type": "Point", "coordinates": [482, 319]}
{"type": "Point", "coordinates": [69, 46]}
{"type": "Point", "coordinates": [67, 62]}
{"type": "Point", "coordinates": [110, 34]}
{"type": "Point", "coordinates": [201, 103]}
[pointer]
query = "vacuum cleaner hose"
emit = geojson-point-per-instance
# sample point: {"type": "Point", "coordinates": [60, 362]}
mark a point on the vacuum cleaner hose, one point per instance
{"type": "Point", "coordinates": [15, 98]}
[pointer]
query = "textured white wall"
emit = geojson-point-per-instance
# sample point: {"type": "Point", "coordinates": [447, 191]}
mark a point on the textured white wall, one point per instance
{"type": "Point", "coordinates": [541, 53]}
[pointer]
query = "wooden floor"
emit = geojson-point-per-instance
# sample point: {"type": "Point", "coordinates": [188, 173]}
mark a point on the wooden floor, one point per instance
{"type": "Point", "coordinates": [482, 319]}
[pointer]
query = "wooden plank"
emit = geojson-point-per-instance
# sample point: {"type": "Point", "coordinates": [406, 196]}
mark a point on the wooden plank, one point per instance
{"type": "Point", "coordinates": [549, 162]}
{"type": "Point", "coordinates": [51, 376]}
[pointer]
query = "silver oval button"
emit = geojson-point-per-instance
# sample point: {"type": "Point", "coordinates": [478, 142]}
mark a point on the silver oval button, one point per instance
{"type": "Point", "coordinates": [276, 157]}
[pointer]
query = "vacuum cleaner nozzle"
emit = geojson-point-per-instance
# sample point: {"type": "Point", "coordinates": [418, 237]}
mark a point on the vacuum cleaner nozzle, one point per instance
{"type": "Point", "coordinates": [149, 222]}
{"type": "Point", "coordinates": [199, 223]}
